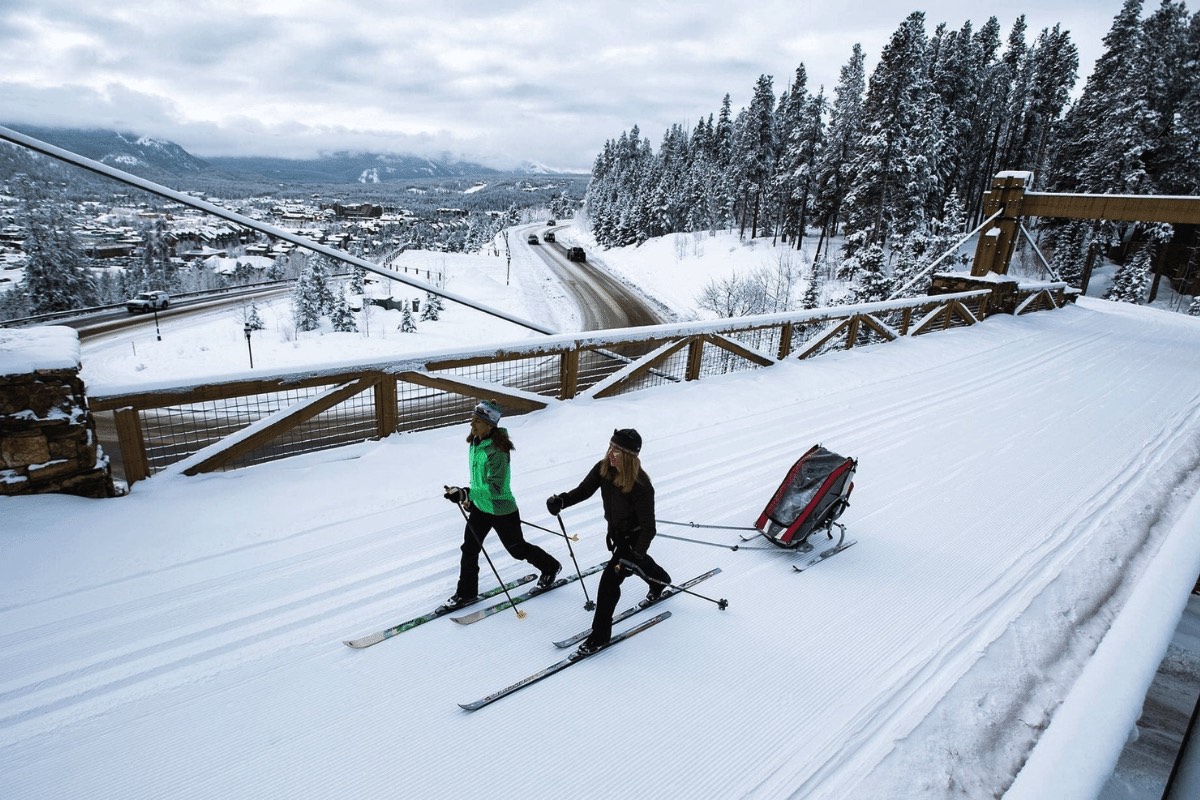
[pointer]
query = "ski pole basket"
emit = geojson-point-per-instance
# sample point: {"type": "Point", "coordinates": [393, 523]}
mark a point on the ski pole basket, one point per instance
{"type": "Point", "coordinates": [811, 497]}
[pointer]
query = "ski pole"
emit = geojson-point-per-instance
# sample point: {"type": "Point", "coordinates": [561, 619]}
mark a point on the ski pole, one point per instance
{"type": "Point", "coordinates": [572, 537]}
{"type": "Point", "coordinates": [588, 605]}
{"type": "Point", "coordinates": [478, 541]}
{"type": "Point", "coordinates": [721, 604]}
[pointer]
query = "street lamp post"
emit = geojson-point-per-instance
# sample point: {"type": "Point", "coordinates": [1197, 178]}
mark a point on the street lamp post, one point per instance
{"type": "Point", "coordinates": [249, 349]}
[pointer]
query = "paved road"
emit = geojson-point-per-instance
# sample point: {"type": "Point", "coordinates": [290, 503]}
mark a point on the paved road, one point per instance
{"type": "Point", "coordinates": [603, 300]}
{"type": "Point", "coordinates": [117, 320]}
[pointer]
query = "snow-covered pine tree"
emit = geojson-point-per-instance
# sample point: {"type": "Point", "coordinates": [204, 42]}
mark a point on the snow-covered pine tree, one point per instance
{"type": "Point", "coordinates": [918, 250]}
{"type": "Point", "coordinates": [788, 158]}
{"type": "Point", "coordinates": [1132, 278]}
{"type": "Point", "coordinates": [833, 166]}
{"type": "Point", "coordinates": [1102, 139]}
{"type": "Point", "coordinates": [1165, 38]}
{"type": "Point", "coordinates": [158, 268]}
{"type": "Point", "coordinates": [254, 319]}
{"type": "Point", "coordinates": [407, 325]}
{"type": "Point", "coordinates": [754, 155]}
{"type": "Point", "coordinates": [306, 307]}
{"type": "Point", "coordinates": [358, 280]}
{"type": "Point", "coordinates": [1182, 168]}
{"type": "Point", "coordinates": [432, 308]}
{"type": "Point", "coordinates": [342, 318]}
{"type": "Point", "coordinates": [697, 187]}
{"type": "Point", "coordinates": [1069, 246]}
{"type": "Point", "coordinates": [802, 137]}
{"type": "Point", "coordinates": [873, 281]}
{"type": "Point", "coordinates": [13, 304]}
{"type": "Point", "coordinates": [1193, 309]}
{"type": "Point", "coordinates": [877, 198]}
{"type": "Point", "coordinates": [958, 61]}
{"type": "Point", "coordinates": [319, 282]}
{"type": "Point", "coordinates": [911, 255]}
{"type": "Point", "coordinates": [277, 271]}
{"type": "Point", "coordinates": [812, 289]}
{"type": "Point", "coordinates": [1045, 80]}
{"type": "Point", "coordinates": [725, 191]}
{"type": "Point", "coordinates": [57, 277]}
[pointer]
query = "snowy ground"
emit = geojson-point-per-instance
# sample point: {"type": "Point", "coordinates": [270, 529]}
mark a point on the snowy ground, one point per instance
{"type": "Point", "coordinates": [1025, 486]}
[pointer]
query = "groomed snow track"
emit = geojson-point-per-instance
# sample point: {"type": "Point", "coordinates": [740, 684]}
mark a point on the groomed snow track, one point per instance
{"type": "Point", "coordinates": [1015, 480]}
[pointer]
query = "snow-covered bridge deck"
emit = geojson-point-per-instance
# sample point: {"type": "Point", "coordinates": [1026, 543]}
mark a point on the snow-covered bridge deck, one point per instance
{"type": "Point", "coordinates": [1020, 482]}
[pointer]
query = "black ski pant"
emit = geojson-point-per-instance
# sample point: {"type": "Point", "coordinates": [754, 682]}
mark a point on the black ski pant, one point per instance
{"type": "Point", "coordinates": [609, 593]}
{"type": "Point", "coordinates": [508, 528]}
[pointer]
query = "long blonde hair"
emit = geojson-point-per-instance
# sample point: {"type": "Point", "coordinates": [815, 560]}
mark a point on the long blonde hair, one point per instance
{"type": "Point", "coordinates": [627, 469]}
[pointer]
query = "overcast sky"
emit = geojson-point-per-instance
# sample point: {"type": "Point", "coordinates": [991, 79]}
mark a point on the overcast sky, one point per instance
{"type": "Point", "coordinates": [496, 82]}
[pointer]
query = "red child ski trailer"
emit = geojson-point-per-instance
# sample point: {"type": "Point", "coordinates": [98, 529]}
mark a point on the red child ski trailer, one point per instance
{"type": "Point", "coordinates": [811, 498]}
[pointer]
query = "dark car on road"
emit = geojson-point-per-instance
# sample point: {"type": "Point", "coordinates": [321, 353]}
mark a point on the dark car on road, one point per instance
{"type": "Point", "coordinates": [575, 254]}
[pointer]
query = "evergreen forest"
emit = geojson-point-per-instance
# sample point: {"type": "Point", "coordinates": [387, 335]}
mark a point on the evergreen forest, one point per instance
{"type": "Point", "coordinates": [894, 164]}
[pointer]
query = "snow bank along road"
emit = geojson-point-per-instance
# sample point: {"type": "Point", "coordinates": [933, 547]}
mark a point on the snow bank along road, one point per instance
{"type": "Point", "coordinates": [1015, 480]}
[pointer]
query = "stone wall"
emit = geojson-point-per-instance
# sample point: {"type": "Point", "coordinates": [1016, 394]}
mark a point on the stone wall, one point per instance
{"type": "Point", "coordinates": [47, 435]}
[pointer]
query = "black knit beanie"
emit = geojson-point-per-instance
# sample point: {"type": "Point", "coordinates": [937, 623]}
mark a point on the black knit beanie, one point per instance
{"type": "Point", "coordinates": [627, 439]}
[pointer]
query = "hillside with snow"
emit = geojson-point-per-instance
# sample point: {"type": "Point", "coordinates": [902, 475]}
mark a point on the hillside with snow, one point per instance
{"type": "Point", "coordinates": [1026, 521]}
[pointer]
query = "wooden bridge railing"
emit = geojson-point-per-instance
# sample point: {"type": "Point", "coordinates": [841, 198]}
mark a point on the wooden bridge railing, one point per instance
{"type": "Point", "coordinates": [227, 424]}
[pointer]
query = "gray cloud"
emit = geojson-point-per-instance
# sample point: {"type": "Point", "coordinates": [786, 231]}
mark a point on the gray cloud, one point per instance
{"type": "Point", "coordinates": [497, 82]}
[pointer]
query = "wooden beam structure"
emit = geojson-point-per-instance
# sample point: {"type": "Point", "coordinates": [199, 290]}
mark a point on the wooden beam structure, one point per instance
{"type": "Point", "coordinates": [1008, 195]}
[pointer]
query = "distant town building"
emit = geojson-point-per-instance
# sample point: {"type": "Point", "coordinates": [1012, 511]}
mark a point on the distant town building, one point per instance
{"type": "Point", "coordinates": [356, 211]}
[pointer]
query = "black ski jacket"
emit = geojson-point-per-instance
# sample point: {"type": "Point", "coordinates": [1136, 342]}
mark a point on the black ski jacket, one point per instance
{"type": "Point", "coordinates": [630, 516]}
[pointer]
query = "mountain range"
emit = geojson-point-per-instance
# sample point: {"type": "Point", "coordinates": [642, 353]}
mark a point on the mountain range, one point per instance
{"type": "Point", "coordinates": [158, 158]}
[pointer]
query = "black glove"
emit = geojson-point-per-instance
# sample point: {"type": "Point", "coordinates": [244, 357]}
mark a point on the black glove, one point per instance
{"type": "Point", "coordinates": [554, 504]}
{"type": "Point", "coordinates": [456, 494]}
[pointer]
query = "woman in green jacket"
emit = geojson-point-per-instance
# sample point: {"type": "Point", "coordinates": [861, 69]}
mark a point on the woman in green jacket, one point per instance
{"type": "Point", "coordinates": [492, 505]}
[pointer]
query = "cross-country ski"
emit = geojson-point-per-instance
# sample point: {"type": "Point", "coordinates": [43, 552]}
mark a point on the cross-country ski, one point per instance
{"type": "Point", "coordinates": [559, 666]}
{"type": "Point", "coordinates": [440, 611]}
{"type": "Point", "coordinates": [824, 554]}
{"type": "Point", "coordinates": [475, 616]}
{"type": "Point", "coordinates": [640, 606]}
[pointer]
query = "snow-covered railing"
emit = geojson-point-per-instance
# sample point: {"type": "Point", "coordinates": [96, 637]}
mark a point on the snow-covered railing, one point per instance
{"type": "Point", "coordinates": [245, 418]}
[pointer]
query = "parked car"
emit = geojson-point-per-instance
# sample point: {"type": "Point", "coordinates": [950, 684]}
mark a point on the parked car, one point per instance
{"type": "Point", "coordinates": [575, 254]}
{"type": "Point", "coordinates": [551, 222]}
{"type": "Point", "coordinates": [549, 237]}
{"type": "Point", "coordinates": [533, 238]}
{"type": "Point", "coordinates": [148, 301]}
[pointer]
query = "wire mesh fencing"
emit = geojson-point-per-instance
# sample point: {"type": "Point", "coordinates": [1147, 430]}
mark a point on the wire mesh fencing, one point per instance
{"type": "Point", "coordinates": [251, 422]}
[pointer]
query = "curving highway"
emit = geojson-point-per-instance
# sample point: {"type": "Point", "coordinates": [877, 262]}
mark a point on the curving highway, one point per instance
{"type": "Point", "coordinates": [604, 302]}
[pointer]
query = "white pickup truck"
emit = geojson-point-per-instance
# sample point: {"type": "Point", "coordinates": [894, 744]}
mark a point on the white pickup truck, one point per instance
{"type": "Point", "coordinates": [148, 301]}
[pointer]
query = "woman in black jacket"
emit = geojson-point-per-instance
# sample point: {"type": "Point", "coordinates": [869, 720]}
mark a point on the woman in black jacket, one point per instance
{"type": "Point", "coordinates": [628, 499]}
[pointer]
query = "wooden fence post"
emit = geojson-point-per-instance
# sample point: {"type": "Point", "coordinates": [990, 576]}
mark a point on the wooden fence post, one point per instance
{"type": "Point", "coordinates": [133, 446]}
{"type": "Point", "coordinates": [386, 417]}
{"type": "Point", "coordinates": [695, 353]}
{"type": "Point", "coordinates": [568, 374]}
